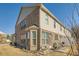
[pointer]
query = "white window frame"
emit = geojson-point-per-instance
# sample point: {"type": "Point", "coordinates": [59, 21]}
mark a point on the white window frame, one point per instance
{"type": "Point", "coordinates": [54, 24]}
{"type": "Point", "coordinates": [46, 19]}
{"type": "Point", "coordinates": [32, 38]}
{"type": "Point", "coordinates": [45, 39]}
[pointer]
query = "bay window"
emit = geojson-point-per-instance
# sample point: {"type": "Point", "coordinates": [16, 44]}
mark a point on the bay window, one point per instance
{"type": "Point", "coordinates": [34, 37]}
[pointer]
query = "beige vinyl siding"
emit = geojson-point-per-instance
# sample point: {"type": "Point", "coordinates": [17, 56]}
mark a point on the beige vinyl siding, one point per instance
{"type": "Point", "coordinates": [50, 26]}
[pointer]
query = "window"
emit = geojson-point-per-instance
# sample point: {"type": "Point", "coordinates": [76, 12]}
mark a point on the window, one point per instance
{"type": "Point", "coordinates": [27, 35]}
{"type": "Point", "coordinates": [54, 24]}
{"type": "Point", "coordinates": [63, 29]}
{"type": "Point", "coordinates": [60, 28]}
{"type": "Point", "coordinates": [45, 37]}
{"type": "Point", "coordinates": [34, 37]}
{"type": "Point", "coordinates": [23, 24]}
{"type": "Point", "coordinates": [56, 37]}
{"type": "Point", "coordinates": [46, 20]}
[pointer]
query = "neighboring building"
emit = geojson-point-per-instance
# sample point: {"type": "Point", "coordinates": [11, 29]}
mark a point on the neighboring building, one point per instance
{"type": "Point", "coordinates": [3, 37]}
{"type": "Point", "coordinates": [37, 28]}
{"type": "Point", "coordinates": [12, 38]}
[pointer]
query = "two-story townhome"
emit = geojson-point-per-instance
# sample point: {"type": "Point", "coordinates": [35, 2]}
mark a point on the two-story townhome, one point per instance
{"type": "Point", "coordinates": [37, 28]}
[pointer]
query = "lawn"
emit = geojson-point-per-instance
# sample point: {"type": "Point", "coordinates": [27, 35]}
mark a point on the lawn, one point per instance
{"type": "Point", "coordinates": [8, 50]}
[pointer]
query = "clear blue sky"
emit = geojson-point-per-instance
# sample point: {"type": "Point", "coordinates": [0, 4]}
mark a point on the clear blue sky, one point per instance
{"type": "Point", "coordinates": [10, 12]}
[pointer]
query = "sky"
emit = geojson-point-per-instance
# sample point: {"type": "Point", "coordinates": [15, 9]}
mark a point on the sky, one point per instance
{"type": "Point", "coordinates": [9, 14]}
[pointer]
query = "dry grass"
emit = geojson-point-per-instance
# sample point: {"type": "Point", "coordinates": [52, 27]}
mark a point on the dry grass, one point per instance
{"type": "Point", "coordinates": [56, 54]}
{"type": "Point", "coordinates": [7, 50]}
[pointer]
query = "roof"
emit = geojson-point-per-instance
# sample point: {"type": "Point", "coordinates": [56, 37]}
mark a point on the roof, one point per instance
{"type": "Point", "coordinates": [33, 26]}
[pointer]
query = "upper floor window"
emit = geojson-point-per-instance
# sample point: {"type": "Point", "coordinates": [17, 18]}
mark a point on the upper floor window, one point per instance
{"type": "Point", "coordinates": [64, 30]}
{"type": "Point", "coordinates": [46, 20]}
{"type": "Point", "coordinates": [60, 28]}
{"type": "Point", "coordinates": [54, 24]}
{"type": "Point", "coordinates": [23, 24]}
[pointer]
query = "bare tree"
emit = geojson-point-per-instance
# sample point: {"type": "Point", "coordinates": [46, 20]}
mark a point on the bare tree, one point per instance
{"type": "Point", "coordinates": [74, 29]}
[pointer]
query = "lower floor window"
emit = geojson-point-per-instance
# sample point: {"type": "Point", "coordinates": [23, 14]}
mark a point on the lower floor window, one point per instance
{"type": "Point", "coordinates": [56, 37]}
{"type": "Point", "coordinates": [45, 37]}
{"type": "Point", "coordinates": [34, 41]}
{"type": "Point", "coordinates": [34, 37]}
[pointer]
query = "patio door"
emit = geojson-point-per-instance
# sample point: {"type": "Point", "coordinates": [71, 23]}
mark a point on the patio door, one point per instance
{"type": "Point", "coordinates": [34, 39]}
